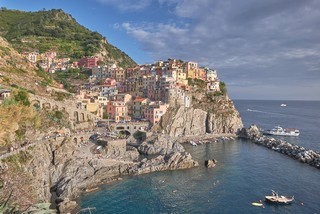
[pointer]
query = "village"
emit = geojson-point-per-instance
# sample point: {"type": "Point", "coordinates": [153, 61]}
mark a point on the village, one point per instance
{"type": "Point", "coordinates": [143, 93]}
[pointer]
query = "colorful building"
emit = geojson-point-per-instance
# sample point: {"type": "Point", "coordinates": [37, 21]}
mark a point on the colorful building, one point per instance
{"type": "Point", "coordinates": [118, 111]}
{"type": "Point", "coordinates": [154, 112]}
{"type": "Point", "coordinates": [137, 107]}
{"type": "Point", "coordinates": [88, 62]}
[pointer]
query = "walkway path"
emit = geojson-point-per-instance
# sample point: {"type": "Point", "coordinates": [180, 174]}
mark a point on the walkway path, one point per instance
{"type": "Point", "coordinates": [43, 140]}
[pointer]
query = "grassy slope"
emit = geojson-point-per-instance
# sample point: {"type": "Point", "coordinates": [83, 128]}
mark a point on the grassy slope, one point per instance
{"type": "Point", "coordinates": [56, 30]}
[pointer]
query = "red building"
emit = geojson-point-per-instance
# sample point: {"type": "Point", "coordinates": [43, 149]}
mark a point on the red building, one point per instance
{"type": "Point", "coordinates": [88, 62]}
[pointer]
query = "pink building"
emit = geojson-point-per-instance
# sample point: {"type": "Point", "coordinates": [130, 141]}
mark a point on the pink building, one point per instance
{"type": "Point", "coordinates": [110, 82]}
{"type": "Point", "coordinates": [153, 113]}
{"type": "Point", "coordinates": [88, 62]}
{"type": "Point", "coordinates": [118, 111]}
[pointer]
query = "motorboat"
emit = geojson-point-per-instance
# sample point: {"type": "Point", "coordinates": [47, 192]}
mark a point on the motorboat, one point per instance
{"type": "Point", "coordinates": [279, 131]}
{"type": "Point", "coordinates": [280, 199]}
{"type": "Point", "coordinates": [283, 105]}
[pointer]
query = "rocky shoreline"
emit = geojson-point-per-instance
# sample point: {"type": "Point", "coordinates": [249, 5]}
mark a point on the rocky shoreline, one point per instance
{"type": "Point", "coordinates": [87, 175]}
{"type": "Point", "coordinates": [294, 151]}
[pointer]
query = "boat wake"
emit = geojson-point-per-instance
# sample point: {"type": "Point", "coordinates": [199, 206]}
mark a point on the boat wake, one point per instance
{"type": "Point", "coordinates": [264, 112]}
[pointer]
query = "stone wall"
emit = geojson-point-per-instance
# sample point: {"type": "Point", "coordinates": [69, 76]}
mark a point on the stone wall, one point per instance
{"type": "Point", "coordinates": [76, 115]}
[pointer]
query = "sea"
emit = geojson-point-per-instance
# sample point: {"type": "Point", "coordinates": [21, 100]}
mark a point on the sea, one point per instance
{"type": "Point", "coordinates": [245, 172]}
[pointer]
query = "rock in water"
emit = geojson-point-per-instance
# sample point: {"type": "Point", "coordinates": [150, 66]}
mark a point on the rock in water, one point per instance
{"type": "Point", "coordinates": [210, 163]}
{"type": "Point", "coordinates": [250, 133]}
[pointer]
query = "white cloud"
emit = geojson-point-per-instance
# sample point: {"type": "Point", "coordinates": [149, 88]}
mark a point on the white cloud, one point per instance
{"type": "Point", "coordinates": [127, 5]}
{"type": "Point", "coordinates": [246, 40]}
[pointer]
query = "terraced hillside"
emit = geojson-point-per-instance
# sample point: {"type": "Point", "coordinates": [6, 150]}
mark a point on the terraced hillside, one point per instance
{"type": "Point", "coordinates": [58, 31]}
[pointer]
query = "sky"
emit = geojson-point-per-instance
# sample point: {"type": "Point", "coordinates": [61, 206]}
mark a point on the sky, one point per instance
{"type": "Point", "coordinates": [261, 49]}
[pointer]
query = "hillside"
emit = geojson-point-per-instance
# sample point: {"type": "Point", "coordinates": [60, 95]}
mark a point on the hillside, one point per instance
{"type": "Point", "coordinates": [15, 71]}
{"type": "Point", "coordinates": [57, 31]}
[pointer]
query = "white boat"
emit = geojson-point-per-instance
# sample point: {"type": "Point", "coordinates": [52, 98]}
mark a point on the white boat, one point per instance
{"type": "Point", "coordinates": [279, 131]}
{"type": "Point", "coordinates": [193, 143]}
{"type": "Point", "coordinates": [283, 105]}
{"type": "Point", "coordinates": [280, 199]}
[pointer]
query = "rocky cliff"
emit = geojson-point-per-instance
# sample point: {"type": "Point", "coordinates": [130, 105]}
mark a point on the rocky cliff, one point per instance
{"type": "Point", "coordinates": [214, 116]}
{"type": "Point", "coordinates": [58, 171]}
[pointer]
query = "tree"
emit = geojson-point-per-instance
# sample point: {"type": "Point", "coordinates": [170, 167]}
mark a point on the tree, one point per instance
{"type": "Point", "coordinates": [223, 88]}
{"type": "Point", "coordinates": [22, 98]}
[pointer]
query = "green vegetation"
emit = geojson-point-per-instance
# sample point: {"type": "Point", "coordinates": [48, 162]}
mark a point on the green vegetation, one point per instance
{"type": "Point", "coordinates": [197, 82]}
{"type": "Point", "coordinates": [61, 96]}
{"type": "Point", "coordinates": [46, 79]}
{"type": "Point", "coordinates": [20, 97]}
{"type": "Point", "coordinates": [57, 31]}
{"type": "Point", "coordinates": [70, 76]}
{"type": "Point", "coordinates": [223, 88]}
{"type": "Point", "coordinates": [54, 118]}
{"type": "Point", "coordinates": [105, 115]}
{"type": "Point", "coordinates": [4, 206]}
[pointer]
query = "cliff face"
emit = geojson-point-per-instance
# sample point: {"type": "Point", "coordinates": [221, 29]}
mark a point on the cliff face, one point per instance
{"type": "Point", "coordinates": [64, 172]}
{"type": "Point", "coordinates": [211, 116]}
{"type": "Point", "coordinates": [58, 171]}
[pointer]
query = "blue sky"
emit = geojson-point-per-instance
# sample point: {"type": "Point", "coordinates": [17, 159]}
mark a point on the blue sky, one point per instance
{"type": "Point", "coordinates": [261, 49]}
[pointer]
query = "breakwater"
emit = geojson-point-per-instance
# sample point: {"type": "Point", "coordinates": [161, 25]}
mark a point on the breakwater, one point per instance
{"type": "Point", "coordinates": [294, 151]}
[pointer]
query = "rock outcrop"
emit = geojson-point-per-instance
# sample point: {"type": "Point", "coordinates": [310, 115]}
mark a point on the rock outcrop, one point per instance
{"type": "Point", "coordinates": [210, 163]}
{"type": "Point", "coordinates": [62, 172]}
{"type": "Point", "coordinates": [160, 145]}
{"type": "Point", "coordinates": [217, 117]}
{"type": "Point", "coordinates": [250, 133]}
{"type": "Point", "coordinates": [174, 160]}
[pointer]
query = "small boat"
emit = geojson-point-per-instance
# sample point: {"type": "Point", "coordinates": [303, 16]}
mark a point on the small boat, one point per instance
{"type": "Point", "coordinates": [193, 143]}
{"type": "Point", "coordinates": [279, 131]}
{"type": "Point", "coordinates": [280, 199]}
{"type": "Point", "coordinates": [257, 204]}
{"type": "Point", "coordinates": [283, 105]}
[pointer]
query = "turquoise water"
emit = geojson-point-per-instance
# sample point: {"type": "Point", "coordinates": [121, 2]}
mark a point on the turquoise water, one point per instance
{"type": "Point", "coordinates": [245, 173]}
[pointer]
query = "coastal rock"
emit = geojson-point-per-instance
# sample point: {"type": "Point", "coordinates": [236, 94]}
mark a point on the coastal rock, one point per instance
{"type": "Point", "coordinates": [63, 171]}
{"type": "Point", "coordinates": [67, 205]}
{"type": "Point", "coordinates": [252, 132]}
{"type": "Point", "coordinates": [174, 160]}
{"type": "Point", "coordinates": [159, 144]}
{"type": "Point", "coordinates": [216, 118]}
{"type": "Point", "coordinates": [210, 163]}
{"type": "Point", "coordinates": [131, 154]}
{"type": "Point", "coordinates": [297, 152]}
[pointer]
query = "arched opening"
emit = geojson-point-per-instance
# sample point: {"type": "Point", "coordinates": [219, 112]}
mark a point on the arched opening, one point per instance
{"type": "Point", "coordinates": [124, 134]}
{"type": "Point", "coordinates": [46, 106]}
{"type": "Point", "coordinates": [36, 104]}
{"type": "Point", "coordinates": [55, 108]}
{"type": "Point", "coordinates": [82, 117]}
{"type": "Point", "coordinates": [120, 128]}
{"type": "Point", "coordinates": [76, 116]}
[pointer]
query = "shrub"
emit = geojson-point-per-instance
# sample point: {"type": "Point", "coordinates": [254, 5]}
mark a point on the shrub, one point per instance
{"type": "Point", "coordinates": [223, 88]}
{"type": "Point", "coordinates": [22, 98]}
